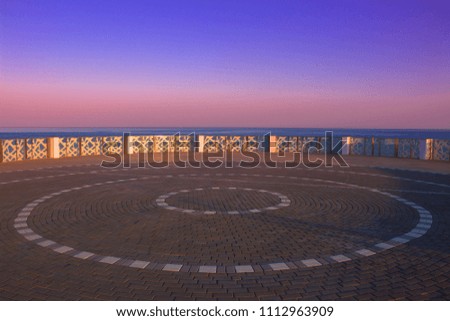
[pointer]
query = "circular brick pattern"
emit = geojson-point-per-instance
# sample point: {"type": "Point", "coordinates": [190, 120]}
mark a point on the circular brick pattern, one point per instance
{"type": "Point", "coordinates": [425, 221]}
{"type": "Point", "coordinates": [217, 200]}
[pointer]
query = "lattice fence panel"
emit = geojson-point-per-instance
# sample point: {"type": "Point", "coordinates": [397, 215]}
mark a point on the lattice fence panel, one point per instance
{"type": "Point", "coordinates": [386, 147]}
{"type": "Point", "coordinates": [91, 146]}
{"type": "Point", "coordinates": [164, 143]}
{"type": "Point", "coordinates": [408, 148]}
{"type": "Point", "coordinates": [142, 144]}
{"type": "Point", "coordinates": [69, 147]}
{"type": "Point", "coordinates": [214, 144]}
{"type": "Point", "coordinates": [282, 144]}
{"type": "Point", "coordinates": [184, 143]}
{"type": "Point", "coordinates": [36, 148]}
{"type": "Point", "coordinates": [112, 145]}
{"type": "Point", "coordinates": [253, 143]}
{"type": "Point", "coordinates": [441, 149]}
{"type": "Point", "coordinates": [13, 150]}
{"type": "Point", "coordinates": [234, 143]}
{"type": "Point", "coordinates": [311, 144]}
{"type": "Point", "coordinates": [357, 146]}
{"type": "Point", "coordinates": [369, 146]}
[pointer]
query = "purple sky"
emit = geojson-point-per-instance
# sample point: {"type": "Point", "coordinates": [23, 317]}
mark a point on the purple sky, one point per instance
{"type": "Point", "coordinates": [358, 64]}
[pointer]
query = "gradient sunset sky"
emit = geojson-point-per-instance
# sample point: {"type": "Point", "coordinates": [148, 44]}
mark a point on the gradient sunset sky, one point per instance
{"type": "Point", "coordinates": [350, 64]}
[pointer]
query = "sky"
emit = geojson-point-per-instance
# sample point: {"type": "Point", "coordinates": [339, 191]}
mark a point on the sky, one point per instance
{"type": "Point", "coordinates": [337, 64]}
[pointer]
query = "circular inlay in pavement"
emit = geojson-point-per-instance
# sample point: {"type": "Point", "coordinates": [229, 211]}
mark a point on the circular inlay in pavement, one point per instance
{"type": "Point", "coordinates": [21, 224]}
{"type": "Point", "coordinates": [223, 200]}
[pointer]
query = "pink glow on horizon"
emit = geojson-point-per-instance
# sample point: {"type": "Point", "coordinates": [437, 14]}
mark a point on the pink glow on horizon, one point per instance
{"type": "Point", "coordinates": [59, 105]}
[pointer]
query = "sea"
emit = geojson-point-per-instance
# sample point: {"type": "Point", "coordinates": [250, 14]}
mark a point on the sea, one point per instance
{"type": "Point", "coordinates": [30, 132]}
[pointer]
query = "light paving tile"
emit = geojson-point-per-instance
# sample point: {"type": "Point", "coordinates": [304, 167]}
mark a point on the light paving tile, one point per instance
{"type": "Point", "coordinates": [32, 237]}
{"type": "Point", "coordinates": [20, 225]}
{"type": "Point", "coordinates": [311, 263]}
{"type": "Point", "coordinates": [139, 264]}
{"type": "Point", "coordinates": [423, 226]}
{"type": "Point", "coordinates": [340, 258]}
{"type": "Point", "coordinates": [279, 266]}
{"type": "Point", "coordinates": [365, 252]}
{"type": "Point", "coordinates": [109, 259]}
{"type": "Point", "coordinates": [384, 246]}
{"type": "Point", "coordinates": [172, 267]}
{"type": "Point", "coordinates": [25, 231]}
{"type": "Point", "coordinates": [83, 255]}
{"type": "Point", "coordinates": [63, 249]}
{"type": "Point", "coordinates": [46, 243]}
{"type": "Point", "coordinates": [400, 240]}
{"type": "Point", "coordinates": [244, 269]}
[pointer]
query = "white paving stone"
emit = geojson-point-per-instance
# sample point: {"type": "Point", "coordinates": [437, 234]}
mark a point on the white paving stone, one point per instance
{"type": "Point", "coordinates": [384, 246]}
{"type": "Point", "coordinates": [279, 266]}
{"type": "Point", "coordinates": [32, 237]}
{"type": "Point", "coordinates": [109, 259]}
{"type": "Point", "coordinates": [400, 239]}
{"type": "Point", "coordinates": [365, 252]}
{"type": "Point", "coordinates": [25, 231]}
{"type": "Point", "coordinates": [20, 225]}
{"type": "Point", "coordinates": [172, 267]}
{"type": "Point", "coordinates": [244, 269]}
{"type": "Point", "coordinates": [311, 263]}
{"type": "Point", "coordinates": [139, 264]}
{"type": "Point", "coordinates": [83, 255]}
{"type": "Point", "coordinates": [63, 249]}
{"type": "Point", "coordinates": [340, 258]}
{"type": "Point", "coordinates": [423, 225]}
{"type": "Point", "coordinates": [46, 243]}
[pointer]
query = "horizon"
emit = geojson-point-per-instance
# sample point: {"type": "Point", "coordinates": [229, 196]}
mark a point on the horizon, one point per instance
{"type": "Point", "coordinates": [215, 65]}
{"type": "Point", "coordinates": [222, 127]}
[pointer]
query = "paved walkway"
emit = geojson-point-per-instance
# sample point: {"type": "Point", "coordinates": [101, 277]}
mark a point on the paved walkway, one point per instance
{"type": "Point", "coordinates": [72, 230]}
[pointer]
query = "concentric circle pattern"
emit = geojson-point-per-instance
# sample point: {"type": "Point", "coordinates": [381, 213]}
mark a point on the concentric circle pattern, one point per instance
{"type": "Point", "coordinates": [230, 200]}
{"type": "Point", "coordinates": [82, 231]}
{"type": "Point", "coordinates": [205, 256]}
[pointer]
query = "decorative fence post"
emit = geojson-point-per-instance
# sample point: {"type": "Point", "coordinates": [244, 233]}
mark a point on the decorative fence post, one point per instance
{"type": "Point", "coordinates": [426, 149]}
{"type": "Point", "coordinates": [53, 147]}
{"type": "Point", "coordinates": [127, 144]}
{"type": "Point", "coordinates": [346, 142]}
{"type": "Point", "coordinates": [201, 143]}
{"type": "Point", "coordinates": [272, 144]}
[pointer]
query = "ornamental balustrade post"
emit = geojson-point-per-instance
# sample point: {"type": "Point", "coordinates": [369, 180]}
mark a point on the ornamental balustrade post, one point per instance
{"type": "Point", "coordinates": [201, 143]}
{"type": "Point", "coordinates": [346, 142]}
{"type": "Point", "coordinates": [53, 147]}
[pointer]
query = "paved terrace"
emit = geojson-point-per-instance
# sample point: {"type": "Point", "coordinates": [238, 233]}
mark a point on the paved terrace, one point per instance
{"type": "Point", "coordinates": [71, 230]}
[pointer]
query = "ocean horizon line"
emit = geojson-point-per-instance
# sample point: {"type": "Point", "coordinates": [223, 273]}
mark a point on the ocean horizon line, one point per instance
{"type": "Point", "coordinates": [35, 132]}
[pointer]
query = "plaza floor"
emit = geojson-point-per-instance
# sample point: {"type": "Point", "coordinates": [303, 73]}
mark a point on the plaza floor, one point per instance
{"type": "Point", "coordinates": [377, 230]}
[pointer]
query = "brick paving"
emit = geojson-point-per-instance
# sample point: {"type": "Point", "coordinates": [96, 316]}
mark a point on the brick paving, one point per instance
{"type": "Point", "coordinates": [304, 251]}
